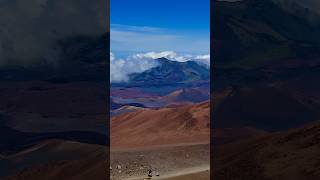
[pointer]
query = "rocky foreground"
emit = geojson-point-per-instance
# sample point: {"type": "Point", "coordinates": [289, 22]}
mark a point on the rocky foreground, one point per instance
{"type": "Point", "coordinates": [164, 162]}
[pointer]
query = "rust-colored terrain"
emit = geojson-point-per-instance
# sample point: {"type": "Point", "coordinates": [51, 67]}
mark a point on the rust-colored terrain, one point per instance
{"type": "Point", "coordinates": [172, 141]}
{"type": "Point", "coordinates": [164, 126]}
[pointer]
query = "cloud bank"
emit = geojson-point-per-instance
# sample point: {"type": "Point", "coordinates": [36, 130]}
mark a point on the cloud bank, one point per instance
{"type": "Point", "coordinates": [171, 55]}
{"type": "Point", "coordinates": [30, 29]}
{"type": "Point", "coordinates": [120, 69]}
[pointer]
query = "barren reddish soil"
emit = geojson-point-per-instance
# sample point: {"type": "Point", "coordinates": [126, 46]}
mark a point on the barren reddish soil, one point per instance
{"type": "Point", "coordinates": [166, 140]}
{"type": "Point", "coordinates": [143, 128]}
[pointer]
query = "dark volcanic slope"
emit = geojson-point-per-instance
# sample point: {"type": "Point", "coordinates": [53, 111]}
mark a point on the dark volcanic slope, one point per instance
{"type": "Point", "coordinates": [37, 111]}
{"type": "Point", "coordinates": [291, 154]}
{"type": "Point", "coordinates": [267, 108]}
{"type": "Point", "coordinates": [267, 68]}
{"type": "Point", "coordinates": [38, 106]}
{"type": "Point", "coordinates": [56, 159]}
{"type": "Point", "coordinates": [12, 141]}
{"type": "Point", "coordinates": [252, 33]}
{"type": "Point", "coordinates": [64, 99]}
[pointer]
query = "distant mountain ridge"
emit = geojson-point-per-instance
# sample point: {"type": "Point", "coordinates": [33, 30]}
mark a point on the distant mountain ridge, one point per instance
{"type": "Point", "coordinates": [187, 95]}
{"type": "Point", "coordinates": [169, 73]}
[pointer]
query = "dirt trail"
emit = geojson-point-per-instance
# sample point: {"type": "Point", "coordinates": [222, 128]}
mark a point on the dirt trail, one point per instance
{"type": "Point", "coordinates": [168, 162]}
{"type": "Point", "coordinates": [199, 173]}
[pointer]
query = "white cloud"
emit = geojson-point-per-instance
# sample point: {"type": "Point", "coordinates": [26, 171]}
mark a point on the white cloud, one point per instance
{"type": "Point", "coordinates": [203, 59]}
{"type": "Point", "coordinates": [164, 54]}
{"type": "Point", "coordinates": [137, 63]}
{"type": "Point", "coordinates": [171, 55]}
{"type": "Point", "coordinates": [121, 68]}
{"type": "Point", "coordinates": [112, 57]}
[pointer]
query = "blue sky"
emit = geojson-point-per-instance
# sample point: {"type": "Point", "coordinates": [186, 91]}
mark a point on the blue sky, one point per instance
{"type": "Point", "coordinates": [160, 25]}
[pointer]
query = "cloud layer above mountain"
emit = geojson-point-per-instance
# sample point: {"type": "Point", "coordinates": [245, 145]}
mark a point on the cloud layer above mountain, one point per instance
{"type": "Point", "coordinates": [30, 29]}
{"type": "Point", "coordinates": [121, 68]}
